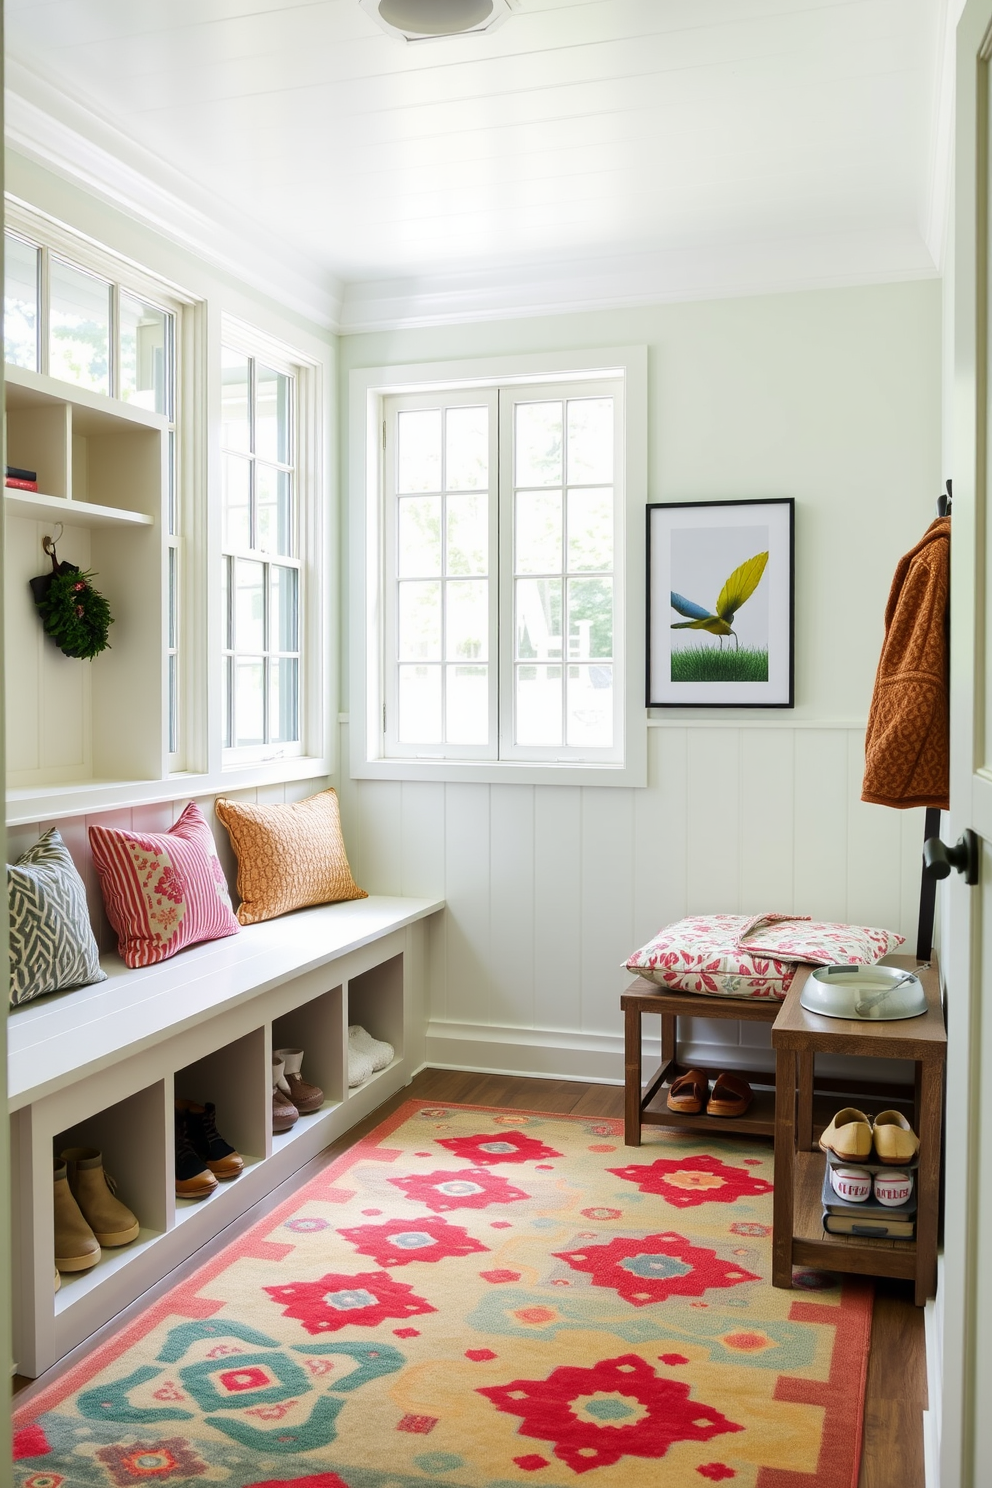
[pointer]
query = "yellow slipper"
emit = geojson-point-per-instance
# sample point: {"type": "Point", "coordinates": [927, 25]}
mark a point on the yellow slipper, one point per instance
{"type": "Point", "coordinates": [895, 1140]}
{"type": "Point", "coordinates": [849, 1135]}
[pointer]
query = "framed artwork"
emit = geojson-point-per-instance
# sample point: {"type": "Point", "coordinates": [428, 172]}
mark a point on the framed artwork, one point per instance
{"type": "Point", "coordinates": [721, 604]}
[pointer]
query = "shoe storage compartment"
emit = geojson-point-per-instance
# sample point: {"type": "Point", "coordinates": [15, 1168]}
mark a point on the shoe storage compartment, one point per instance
{"type": "Point", "coordinates": [375, 1003]}
{"type": "Point", "coordinates": [233, 1077]}
{"type": "Point", "coordinates": [102, 1072]}
{"type": "Point", "coordinates": [138, 1169]}
{"type": "Point", "coordinates": [132, 1133]}
{"type": "Point", "coordinates": [316, 1027]}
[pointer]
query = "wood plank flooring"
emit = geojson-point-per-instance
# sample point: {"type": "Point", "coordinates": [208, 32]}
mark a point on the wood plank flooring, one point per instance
{"type": "Point", "coordinates": [897, 1387]}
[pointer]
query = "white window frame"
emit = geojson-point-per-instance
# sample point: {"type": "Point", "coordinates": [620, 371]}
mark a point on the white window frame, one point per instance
{"type": "Point", "coordinates": [124, 275]}
{"type": "Point", "coordinates": [369, 605]}
{"type": "Point", "coordinates": [309, 547]}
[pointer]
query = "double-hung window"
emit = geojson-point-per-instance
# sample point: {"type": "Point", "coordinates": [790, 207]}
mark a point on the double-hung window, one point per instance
{"type": "Point", "coordinates": [497, 605]}
{"type": "Point", "coordinates": [260, 566]}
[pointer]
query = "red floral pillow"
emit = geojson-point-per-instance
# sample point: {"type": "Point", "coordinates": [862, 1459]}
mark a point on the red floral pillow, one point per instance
{"type": "Point", "coordinates": [163, 891]}
{"type": "Point", "coordinates": [701, 954]}
{"type": "Point", "coordinates": [724, 955]}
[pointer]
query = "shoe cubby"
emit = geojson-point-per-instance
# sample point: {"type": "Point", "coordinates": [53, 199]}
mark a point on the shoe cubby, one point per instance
{"type": "Point", "coordinates": [131, 1137]}
{"type": "Point", "coordinates": [235, 1079]}
{"type": "Point", "coordinates": [316, 1027]}
{"type": "Point", "coordinates": [375, 1003]}
{"type": "Point", "coordinates": [130, 1065]}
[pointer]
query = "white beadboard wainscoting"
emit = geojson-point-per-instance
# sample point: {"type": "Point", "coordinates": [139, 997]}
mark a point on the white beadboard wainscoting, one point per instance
{"type": "Point", "coordinates": [549, 888]}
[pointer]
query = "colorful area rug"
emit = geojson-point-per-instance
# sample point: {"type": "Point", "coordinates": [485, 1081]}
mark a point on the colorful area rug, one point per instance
{"type": "Point", "coordinates": [478, 1298]}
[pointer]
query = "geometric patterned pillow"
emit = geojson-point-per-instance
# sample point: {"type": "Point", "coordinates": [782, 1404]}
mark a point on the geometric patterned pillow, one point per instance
{"type": "Point", "coordinates": [51, 940]}
{"type": "Point", "coordinates": [162, 890]}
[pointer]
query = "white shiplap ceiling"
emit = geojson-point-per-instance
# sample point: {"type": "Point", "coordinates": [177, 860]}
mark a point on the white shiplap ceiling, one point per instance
{"type": "Point", "coordinates": [584, 152]}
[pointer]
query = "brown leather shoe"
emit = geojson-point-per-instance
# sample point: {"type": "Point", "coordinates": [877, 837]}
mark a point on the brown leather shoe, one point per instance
{"type": "Point", "coordinates": [688, 1092]}
{"type": "Point", "coordinates": [216, 1152]}
{"type": "Point", "coordinates": [306, 1098]}
{"type": "Point", "coordinates": [284, 1113]}
{"type": "Point", "coordinates": [193, 1179]}
{"type": "Point", "coordinates": [731, 1096]}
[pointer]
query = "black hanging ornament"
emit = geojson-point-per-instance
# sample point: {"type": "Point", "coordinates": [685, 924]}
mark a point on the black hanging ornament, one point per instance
{"type": "Point", "coordinates": [73, 613]}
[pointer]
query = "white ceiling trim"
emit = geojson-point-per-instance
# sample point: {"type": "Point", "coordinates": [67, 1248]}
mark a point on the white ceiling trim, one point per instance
{"type": "Point", "coordinates": [722, 270]}
{"type": "Point", "coordinates": [46, 125]}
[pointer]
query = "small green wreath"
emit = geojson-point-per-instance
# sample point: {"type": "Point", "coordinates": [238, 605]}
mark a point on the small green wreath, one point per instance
{"type": "Point", "coordinates": [73, 613]}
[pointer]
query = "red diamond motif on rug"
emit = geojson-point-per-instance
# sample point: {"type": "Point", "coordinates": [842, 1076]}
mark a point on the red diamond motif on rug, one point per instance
{"type": "Point", "coordinates": [398, 1242]}
{"type": "Point", "coordinates": [619, 1408]}
{"type": "Point", "coordinates": [699, 1179]}
{"type": "Point", "coordinates": [339, 1300]}
{"type": "Point", "coordinates": [466, 1188]}
{"type": "Point", "coordinates": [655, 1267]}
{"type": "Point", "coordinates": [511, 1147]}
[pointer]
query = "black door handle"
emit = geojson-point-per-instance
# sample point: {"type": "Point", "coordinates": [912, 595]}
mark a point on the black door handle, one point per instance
{"type": "Point", "coordinates": [938, 860]}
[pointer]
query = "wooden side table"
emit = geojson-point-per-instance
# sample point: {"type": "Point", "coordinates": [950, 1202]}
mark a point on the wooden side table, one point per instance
{"type": "Point", "coordinates": [797, 1037]}
{"type": "Point", "coordinates": [648, 1106]}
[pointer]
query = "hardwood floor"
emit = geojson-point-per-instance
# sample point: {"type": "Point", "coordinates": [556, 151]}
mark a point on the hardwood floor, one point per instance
{"type": "Point", "coordinates": [897, 1385]}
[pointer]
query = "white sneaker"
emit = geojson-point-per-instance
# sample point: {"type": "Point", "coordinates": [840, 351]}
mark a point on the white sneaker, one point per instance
{"type": "Point", "coordinates": [377, 1050]}
{"type": "Point", "coordinates": [359, 1066]}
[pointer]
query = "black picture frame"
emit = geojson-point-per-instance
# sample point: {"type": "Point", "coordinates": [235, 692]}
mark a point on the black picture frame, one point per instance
{"type": "Point", "coordinates": [703, 681]}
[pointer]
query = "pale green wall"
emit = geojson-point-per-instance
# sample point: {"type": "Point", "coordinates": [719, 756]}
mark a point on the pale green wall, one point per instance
{"type": "Point", "coordinates": [832, 397]}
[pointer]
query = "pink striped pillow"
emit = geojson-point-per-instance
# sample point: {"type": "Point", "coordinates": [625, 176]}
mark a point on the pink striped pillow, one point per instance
{"type": "Point", "coordinates": [164, 890]}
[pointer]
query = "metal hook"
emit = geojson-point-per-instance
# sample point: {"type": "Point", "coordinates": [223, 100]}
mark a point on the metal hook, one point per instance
{"type": "Point", "coordinates": [48, 543]}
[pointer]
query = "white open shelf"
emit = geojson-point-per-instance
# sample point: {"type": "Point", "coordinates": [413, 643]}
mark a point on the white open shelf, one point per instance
{"type": "Point", "coordinates": [102, 471]}
{"type": "Point", "coordinates": [77, 1285]}
{"type": "Point", "coordinates": [102, 1067]}
{"type": "Point", "coordinates": [37, 506]}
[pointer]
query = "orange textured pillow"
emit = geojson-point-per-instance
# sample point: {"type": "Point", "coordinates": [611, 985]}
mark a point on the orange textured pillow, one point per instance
{"type": "Point", "coordinates": [288, 856]}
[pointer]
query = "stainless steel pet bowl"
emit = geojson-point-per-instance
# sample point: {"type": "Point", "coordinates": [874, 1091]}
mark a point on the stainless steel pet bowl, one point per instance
{"type": "Point", "coordinates": [869, 993]}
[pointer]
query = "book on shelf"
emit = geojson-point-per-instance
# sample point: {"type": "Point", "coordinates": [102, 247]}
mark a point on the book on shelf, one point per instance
{"type": "Point", "coordinates": [871, 1229]}
{"type": "Point", "coordinates": [16, 484]}
{"type": "Point", "coordinates": [18, 473]}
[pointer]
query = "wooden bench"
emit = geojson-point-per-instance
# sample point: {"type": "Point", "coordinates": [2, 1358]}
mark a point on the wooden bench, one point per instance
{"type": "Point", "coordinates": [102, 1067]}
{"type": "Point", "coordinates": [645, 1105]}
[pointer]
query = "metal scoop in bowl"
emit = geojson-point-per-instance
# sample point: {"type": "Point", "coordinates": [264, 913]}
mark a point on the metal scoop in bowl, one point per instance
{"type": "Point", "coordinates": [883, 993]}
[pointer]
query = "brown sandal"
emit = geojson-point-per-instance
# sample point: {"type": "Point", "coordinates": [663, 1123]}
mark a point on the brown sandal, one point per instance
{"type": "Point", "coordinates": [688, 1092]}
{"type": "Point", "coordinates": [731, 1096]}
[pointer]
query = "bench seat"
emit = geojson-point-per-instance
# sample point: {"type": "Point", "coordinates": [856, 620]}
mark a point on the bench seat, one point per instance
{"type": "Point", "coordinates": [69, 1035]}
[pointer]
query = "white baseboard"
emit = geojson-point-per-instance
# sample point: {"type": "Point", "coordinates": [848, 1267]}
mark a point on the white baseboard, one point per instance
{"type": "Point", "coordinates": [555, 1054]}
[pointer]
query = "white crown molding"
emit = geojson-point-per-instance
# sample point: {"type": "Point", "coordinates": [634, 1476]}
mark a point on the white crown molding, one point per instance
{"type": "Point", "coordinates": [46, 125]}
{"type": "Point", "coordinates": [43, 123]}
{"type": "Point", "coordinates": [717, 270]}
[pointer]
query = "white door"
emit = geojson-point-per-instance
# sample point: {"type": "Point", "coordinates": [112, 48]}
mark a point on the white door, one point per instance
{"type": "Point", "coordinates": [965, 1404]}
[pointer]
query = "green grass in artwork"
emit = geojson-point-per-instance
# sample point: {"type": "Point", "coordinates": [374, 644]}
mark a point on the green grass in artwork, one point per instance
{"type": "Point", "coordinates": [708, 664]}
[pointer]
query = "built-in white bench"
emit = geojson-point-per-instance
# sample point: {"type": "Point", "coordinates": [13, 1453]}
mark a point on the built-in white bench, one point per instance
{"type": "Point", "coordinates": [102, 1067]}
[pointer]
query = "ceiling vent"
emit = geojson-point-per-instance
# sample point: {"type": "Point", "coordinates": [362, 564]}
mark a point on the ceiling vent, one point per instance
{"type": "Point", "coordinates": [427, 20]}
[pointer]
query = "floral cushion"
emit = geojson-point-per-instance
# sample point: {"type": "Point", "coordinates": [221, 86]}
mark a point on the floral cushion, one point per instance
{"type": "Point", "coordinates": [163, 890]}
{"type": "Point", "coordinates": [701, 954]}
{"type": "Point", "coordinates": [751, 956]}
{"type": "Point", "coordinates": [817, 942]}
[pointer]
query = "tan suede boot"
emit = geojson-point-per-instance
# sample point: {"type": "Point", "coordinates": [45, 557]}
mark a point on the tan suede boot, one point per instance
{"type": "Point", "coordinates": [76, 1246]}
{"type": "Point", "coordinates": [111, 1221]}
